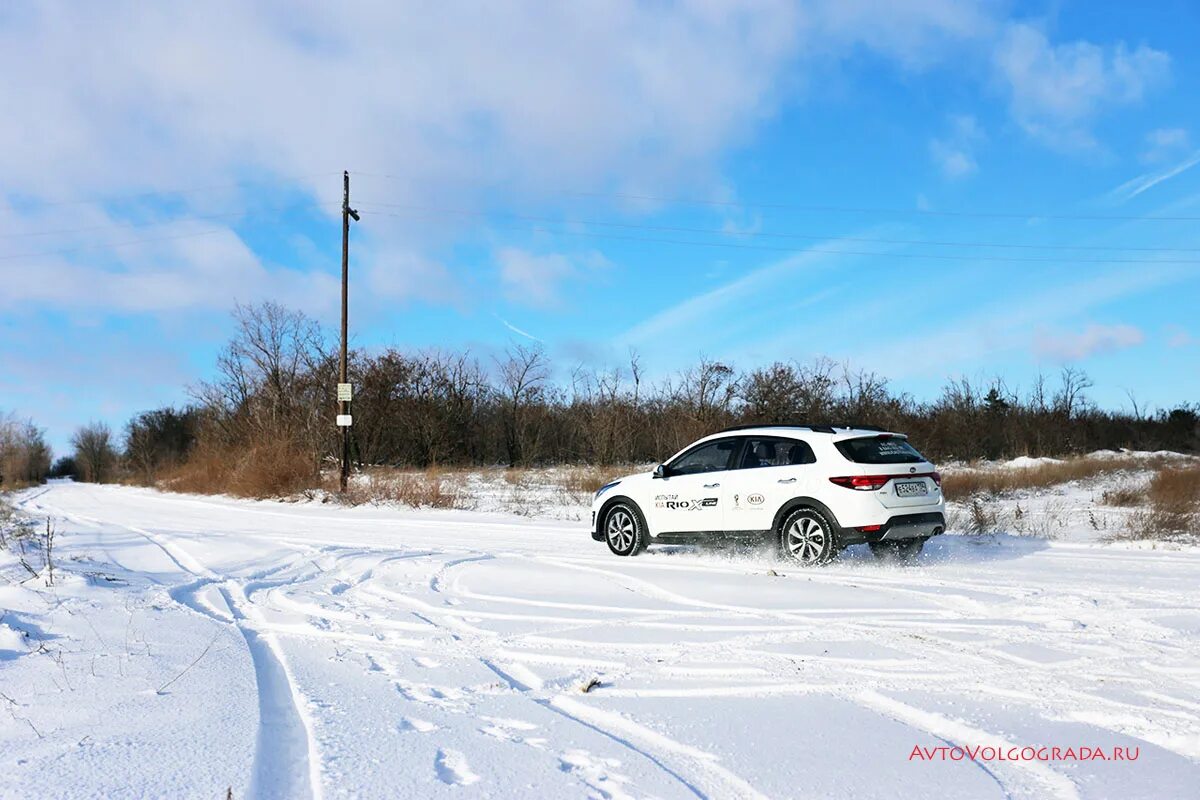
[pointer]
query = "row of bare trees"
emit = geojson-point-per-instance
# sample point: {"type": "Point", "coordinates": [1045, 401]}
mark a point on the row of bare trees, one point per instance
{"type": "Point", "coordinates": [24, 454]}
{"type": "Point", "coordinates": [268, 411]}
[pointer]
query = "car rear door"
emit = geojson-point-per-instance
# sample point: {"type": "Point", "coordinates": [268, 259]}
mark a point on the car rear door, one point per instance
{"type": "Point", "coordinates": [770, 471]}
{"type": "Point", "coordinates": [687, 499]}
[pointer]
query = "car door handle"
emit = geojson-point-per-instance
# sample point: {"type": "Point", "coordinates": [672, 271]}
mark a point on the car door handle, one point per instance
{"type": "Point", "coordinates": [786, 480]}
{"type": "Point", "coordinates": [711, 485]}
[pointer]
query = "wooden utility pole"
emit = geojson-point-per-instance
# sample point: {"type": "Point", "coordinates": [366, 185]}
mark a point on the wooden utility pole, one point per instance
{"type": "Point", "coordinates": [344, 417]}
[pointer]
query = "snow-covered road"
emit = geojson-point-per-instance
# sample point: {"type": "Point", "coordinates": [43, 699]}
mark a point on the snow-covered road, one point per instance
{"type": "Point", "coordinates": [374, 652]}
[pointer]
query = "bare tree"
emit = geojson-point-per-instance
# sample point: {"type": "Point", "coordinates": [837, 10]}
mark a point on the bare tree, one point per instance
{"type": "Point", "coordinates": [24, 454]}
{"type": "Point", "coordinates": [522, 376]}
{"type": "Point", "coordinates": [95, 456]}
{"type": "Point", "coordinates": [1070, 396]}
{"type": "Point", "coordinates": [275, 382]}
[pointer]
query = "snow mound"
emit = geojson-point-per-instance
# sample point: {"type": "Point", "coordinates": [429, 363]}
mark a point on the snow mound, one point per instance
{"type": "Point", "coordinates": [12, 643]}
{"type": "Point", "coordinates": [1026, 462]}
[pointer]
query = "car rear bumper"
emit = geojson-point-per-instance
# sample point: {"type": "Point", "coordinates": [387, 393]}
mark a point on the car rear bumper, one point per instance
{"type": "Point", "coordinates": [902, 526]}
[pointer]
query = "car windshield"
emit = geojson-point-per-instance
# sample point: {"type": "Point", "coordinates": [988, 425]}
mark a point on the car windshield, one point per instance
{"type": "Point", "coordinates": [879, 450]}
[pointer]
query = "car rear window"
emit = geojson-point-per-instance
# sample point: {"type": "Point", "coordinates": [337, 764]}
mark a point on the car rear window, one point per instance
{"type": "Point", "coordinates": [879, 450]}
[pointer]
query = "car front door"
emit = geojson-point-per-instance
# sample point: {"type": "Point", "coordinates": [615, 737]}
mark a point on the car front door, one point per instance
{"type": "Point", "coordinates": [687, 499]}
{"type": "Point", "coordinates": [769, 472]}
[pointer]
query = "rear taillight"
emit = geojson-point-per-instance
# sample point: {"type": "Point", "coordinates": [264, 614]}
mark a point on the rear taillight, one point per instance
{"type": "Point", "coordinates": [863, 483]}
{"type": "Point", "coordinates": [937, 477]}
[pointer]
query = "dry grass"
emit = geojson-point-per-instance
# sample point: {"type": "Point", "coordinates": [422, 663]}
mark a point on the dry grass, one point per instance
{"type": "Point", "coordinates": [1176, 489]}
{"type": "Point", "coordinates": [1174, 506]}
{"type": "Point", "coordinates": [277, 469]}
{"type": "Point", "coordinates": [1125, 496]}
{"type": "Point", "coordinates": [430, 488]}
{"type": "Point", "coordinates": [966, 484]}
{"type": "Point", "coordinates": [586, 480]}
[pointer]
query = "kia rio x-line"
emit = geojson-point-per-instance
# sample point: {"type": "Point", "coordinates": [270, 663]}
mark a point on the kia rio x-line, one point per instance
{"type": "Point", "coordinates": [811, 489]}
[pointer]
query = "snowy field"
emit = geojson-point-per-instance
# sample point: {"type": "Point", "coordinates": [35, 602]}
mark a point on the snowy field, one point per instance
{"type": "Point", "coordinates": [193, 646]}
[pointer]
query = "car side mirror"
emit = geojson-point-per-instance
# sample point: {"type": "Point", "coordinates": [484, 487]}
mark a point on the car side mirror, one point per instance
{"type": "Point", "coordinates": [660, 471]}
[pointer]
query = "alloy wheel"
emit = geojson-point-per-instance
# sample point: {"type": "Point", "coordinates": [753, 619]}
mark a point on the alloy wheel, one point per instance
{"type": "Point", "coordinates": [806, 540]}
{"type": "Point", "coordinates": [621, 529]}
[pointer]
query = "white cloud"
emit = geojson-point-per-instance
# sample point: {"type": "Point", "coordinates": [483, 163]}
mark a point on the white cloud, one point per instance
{"type": "Point", "coordinates": [916, 33]}
{"type": "Point", "coordinates": [1178, 336]}
{"type": "Point", "coordinates": [450, 98]}
{"type": "Point", "coordinates": [445, 95]}
{"type": "Point", "coordinates": [535, 279]}
{"type": "Point", "coordinates": [954, 154]}
{"type": "Point", "coordinates": [1093, 340]}
{"type": "Point", "coordinates": [1056, 90]}
{"type": "Point", "coordinates": [1163, 144]}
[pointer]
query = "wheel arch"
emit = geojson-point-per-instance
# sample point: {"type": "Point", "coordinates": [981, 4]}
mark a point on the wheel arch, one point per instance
{"type": "Point", "coordinates": [806, 502]}
{"type": "Point", "coordinates": [598, 530]}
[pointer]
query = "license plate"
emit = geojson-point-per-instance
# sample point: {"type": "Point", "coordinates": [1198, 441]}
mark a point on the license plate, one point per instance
{"type": "Point", "coordinates": [911, 489]}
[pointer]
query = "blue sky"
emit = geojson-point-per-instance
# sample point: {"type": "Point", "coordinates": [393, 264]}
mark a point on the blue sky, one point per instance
{"type": "Point", "coordinates": [926, 189]}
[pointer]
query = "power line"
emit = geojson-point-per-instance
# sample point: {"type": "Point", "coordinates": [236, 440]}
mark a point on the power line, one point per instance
{"type": "Point", "coordinates": [1022, 215]}
{"type": "Point", "coordinates": [779, 235]}
{"type": "Point", "coordinates": [838, 251]}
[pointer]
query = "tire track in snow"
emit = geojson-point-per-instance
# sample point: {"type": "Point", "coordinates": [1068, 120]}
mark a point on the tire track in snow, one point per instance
{"type": "Point", "coordinates": [1046, 783]}
{"type": "Point", "coordinates": [619, 729]}
{"type": "Point", "coordinates": [628, 734]}
{"type": "Point", "coordinates": [286, 757]}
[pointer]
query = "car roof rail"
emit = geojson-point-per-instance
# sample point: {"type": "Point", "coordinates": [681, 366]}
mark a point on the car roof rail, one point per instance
{"type": "Point", "coordinates": [814, 428]}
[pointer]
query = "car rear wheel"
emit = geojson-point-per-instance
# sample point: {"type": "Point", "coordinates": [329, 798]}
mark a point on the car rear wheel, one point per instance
{"type": "Point", "coordinates": [902, 550]}
{"type": "Point", "coordinates": [624, 530]}
{"type": "Point", "coordinates": [806, 538]}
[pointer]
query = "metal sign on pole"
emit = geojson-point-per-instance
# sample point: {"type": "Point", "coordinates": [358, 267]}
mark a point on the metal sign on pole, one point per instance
{"type": "Point", "coordinates": [344, 420]}
{"type": "Point", "coordinates": [345, 392]}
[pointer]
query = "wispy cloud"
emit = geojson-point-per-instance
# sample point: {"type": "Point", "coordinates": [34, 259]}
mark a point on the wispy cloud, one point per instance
{"type": "Point", "coordinates": [1006, 325]}
{"type": "Point", "coordinates": [1178, 336]}
{"type": "Point", "coordinates": [1095, 339]}
{"type": "Point", "coordinates": [1163, 144]}
{"type": "Point", "coordinates": [517, 330]}
{"type": "Point", "coordinates": [702, 319]}
{"type": "Point", "coordinates": [1142, 183]}
{"type": "Point", "coordinates": [1057, 89]}
{"type": "Point", "coordinates": [954, 153]}
{"type": "Point", "coordinates": [535, 279]}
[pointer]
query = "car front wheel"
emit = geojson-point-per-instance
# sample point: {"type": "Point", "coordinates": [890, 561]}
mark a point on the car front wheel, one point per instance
{"type": "Point", "coordinates": [624, 531]}
{"type": "Point", "coordinates": [806, 538]}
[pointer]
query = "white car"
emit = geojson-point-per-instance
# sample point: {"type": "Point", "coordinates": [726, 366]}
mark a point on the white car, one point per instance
{"type": "Point", "coordinates": [812, 489]}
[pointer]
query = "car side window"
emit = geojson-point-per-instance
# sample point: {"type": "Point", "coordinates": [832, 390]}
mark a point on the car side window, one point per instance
{"type": "Point", "coordinates": [776, 452]}
{"type": "Point", "coordinates": [710, 457]}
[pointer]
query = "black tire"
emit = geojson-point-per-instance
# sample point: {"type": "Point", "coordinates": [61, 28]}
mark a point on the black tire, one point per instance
{"type": "Point", "coordinates": [900, 550]}
{"type": "Point", "coordinates": [807, 538]}
{"type": "Point", "coordinates": [625, 530]}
